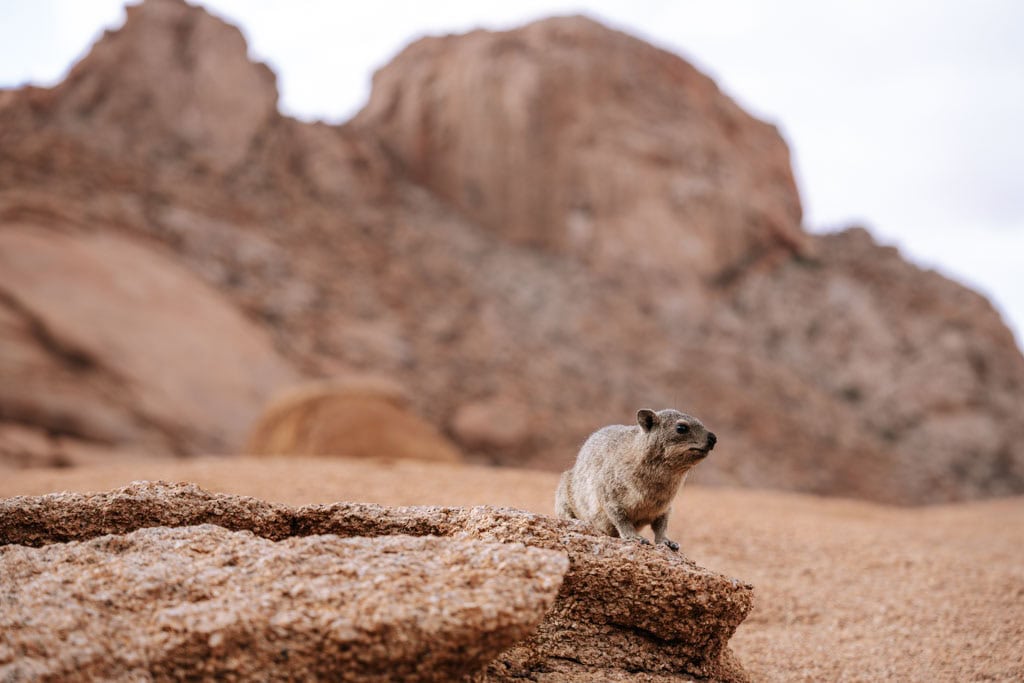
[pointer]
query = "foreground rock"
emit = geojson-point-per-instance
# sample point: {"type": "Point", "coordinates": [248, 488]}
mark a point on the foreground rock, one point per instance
{"type": "Point", "coordinates": [204, 601]}
{"type": "Point", "coordinates": [620, 608]}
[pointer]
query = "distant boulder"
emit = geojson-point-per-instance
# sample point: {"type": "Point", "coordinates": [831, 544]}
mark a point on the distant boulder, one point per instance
{"type": "Point", "coordinates": [107, 339]}
{"type": "Point", "coordinates": [363, 417]}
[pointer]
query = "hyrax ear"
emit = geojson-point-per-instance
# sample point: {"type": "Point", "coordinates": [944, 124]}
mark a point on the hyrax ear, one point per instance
{"type": "Point", "coordinates": [646, 419]}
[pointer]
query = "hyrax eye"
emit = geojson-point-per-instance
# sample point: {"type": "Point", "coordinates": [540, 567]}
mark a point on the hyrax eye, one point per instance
{"type": "Point", "coordinates": [682, 428]}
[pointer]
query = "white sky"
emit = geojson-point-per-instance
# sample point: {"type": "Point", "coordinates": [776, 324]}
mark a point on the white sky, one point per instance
{"type": "Point", "coordinates": [903, 115]}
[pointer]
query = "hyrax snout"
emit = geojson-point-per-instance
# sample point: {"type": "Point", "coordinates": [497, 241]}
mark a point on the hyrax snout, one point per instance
{"type": "Point", "coordinates": [625, 477]}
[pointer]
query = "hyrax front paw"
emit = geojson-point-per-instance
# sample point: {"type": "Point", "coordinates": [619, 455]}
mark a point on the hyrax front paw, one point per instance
{"type": "Point", "coordinates": [639, 539]}
{"type": "Point", "coordinates": [672, 545]}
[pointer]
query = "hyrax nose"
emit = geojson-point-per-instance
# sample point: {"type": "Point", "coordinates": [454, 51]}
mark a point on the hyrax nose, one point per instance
{"type": "Point", "coordinates": [712, 440]}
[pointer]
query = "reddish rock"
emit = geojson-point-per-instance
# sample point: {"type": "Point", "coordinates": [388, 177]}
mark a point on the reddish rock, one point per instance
{"type": "Point", "coordinates": [493, 425]}
{"type": "Point", "coordinates": [173, 82]}
{"type": "Point", "coordinates": [922, 364]}
{"type": "Point", "coordinates": [205, 602]}
{"type": "Point", "coordinates": [109, 340]}
{"type": "Point", "coordinates": [24, 447]}
{"type": "Point", "coordinates": [621, 607]}
{"type": "Point", "coordinates": [364, 418]}
{"type": "Point", "coordinates": [572, 137]}
{"type": "Point", "coordinates": [559, 215]}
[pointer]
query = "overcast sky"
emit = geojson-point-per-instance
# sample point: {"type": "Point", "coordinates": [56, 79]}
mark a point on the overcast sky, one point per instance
{"type": "Point", "coordinates": [903, 115]}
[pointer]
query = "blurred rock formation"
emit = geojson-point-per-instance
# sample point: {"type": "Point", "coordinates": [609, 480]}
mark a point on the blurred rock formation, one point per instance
{"type": "Point", "coordinates": [559, 223]}
{"type": "Point", "coordinates": [356, 417]}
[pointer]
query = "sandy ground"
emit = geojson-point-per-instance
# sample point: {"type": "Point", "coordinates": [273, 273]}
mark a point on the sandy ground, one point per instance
{"type": "Point", "coordinates": [845, 590]}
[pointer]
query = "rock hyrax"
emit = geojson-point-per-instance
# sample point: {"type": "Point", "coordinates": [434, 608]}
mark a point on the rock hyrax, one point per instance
{"type": "Point", "coordinates": [626, 477]}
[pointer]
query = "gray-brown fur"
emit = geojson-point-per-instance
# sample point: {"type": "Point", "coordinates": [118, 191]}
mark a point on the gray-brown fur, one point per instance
{"type": "Point", "coordinates": [625, 477]}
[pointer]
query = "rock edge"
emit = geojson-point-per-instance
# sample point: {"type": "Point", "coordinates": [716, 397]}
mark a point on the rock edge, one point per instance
{"type": "Point", "coordinates": [621, 607]}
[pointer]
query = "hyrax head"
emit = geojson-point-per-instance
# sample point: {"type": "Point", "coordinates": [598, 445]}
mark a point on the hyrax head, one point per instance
{"type": "Point", "coordinates": [678, 439]}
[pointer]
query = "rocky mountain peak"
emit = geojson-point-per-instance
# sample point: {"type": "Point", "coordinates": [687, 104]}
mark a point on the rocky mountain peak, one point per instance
{"type": "Point", "coordinates": [577, 138]}
{"type": "Point", "coordinates": [174, 81]}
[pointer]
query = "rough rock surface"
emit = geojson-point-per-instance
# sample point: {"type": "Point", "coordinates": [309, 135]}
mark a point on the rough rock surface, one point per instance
{"type": "Point", "coordinates": [355, 417]}
{"type": "Point", "coordinates": [206, 602]}
{"type": "Point", "coordinates": [559, 221]}
{"type": "Point", "coordinates": [924, 365]}
{"type": "Point", "coordinates": [620, 606]}
{"type": "Point", "coordinates": [846, 589]}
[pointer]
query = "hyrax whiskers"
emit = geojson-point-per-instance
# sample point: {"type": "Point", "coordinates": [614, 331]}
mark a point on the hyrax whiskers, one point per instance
{"type": "Point", "coordinates": [625, 477]}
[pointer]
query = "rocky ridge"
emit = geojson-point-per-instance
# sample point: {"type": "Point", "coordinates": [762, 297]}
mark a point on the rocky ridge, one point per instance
{"type": "Point", "coordinates": [237, 575]}
{"type": "Point", "coordinates": [559, 223]}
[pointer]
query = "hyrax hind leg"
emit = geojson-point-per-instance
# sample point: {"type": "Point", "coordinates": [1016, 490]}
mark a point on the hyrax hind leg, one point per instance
{"type": "Point", "coordinates": [563, 504]}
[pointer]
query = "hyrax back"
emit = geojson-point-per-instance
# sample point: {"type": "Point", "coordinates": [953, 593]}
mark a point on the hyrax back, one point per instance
{"type": "Point", "coordinates": [626, 477]}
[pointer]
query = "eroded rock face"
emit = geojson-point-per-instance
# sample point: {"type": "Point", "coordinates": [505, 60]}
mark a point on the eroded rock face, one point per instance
{"type": "Point", "coordinates": [922, 364]}
{"type": "Point", "coordinates": [174, 82]}
{"type": "Point", "coordinates": [620, 608]}
{"type": "Point", "coordinates": [570, 136]}
{"type": "Point", "coordinates": [535, 232]}
{"type": "Point", "coordinates": [203, 601]}
{"type": "Point", "coordinates": [110, 341]}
